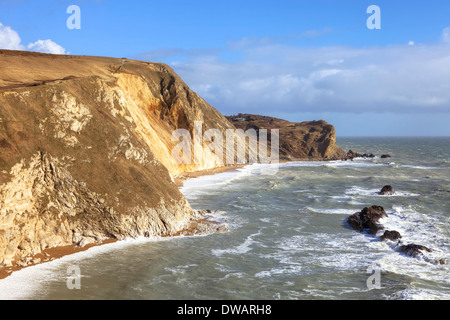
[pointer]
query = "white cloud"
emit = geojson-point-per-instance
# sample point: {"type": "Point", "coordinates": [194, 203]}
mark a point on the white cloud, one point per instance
{"type": "Point", "coordinates": [10, 39]}
{"type": "Point", "coordinates": [275, 77]}
{"type": "Point", "coordinates": [46, 46]}
{"type": "Point", "coordinates": [446, 35]}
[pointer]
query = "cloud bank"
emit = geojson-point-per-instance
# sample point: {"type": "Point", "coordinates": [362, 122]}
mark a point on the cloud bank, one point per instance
{"type": "Point", "coordinates": [10, 39]}
{"type": "Point", "coordinates": [273, 76]}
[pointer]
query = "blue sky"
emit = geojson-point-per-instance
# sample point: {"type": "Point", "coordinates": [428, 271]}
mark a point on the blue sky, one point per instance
{"type": "Point", "coordinates": [298, 60]}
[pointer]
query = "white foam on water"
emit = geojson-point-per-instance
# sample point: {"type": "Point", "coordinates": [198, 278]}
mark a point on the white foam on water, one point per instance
{"type": "Point", "coordinates": [285, 270]}
{"type": "Point", "coordinates": [302, 164]}
{"type": "Point", "coordinates": [319, 250]}
{"type": "Point", "coordinates": [354, 164]}
{"type": "Point", "coordinates": [419, 294]}
{"type": "Point", "coordinates": [340, 197]}
{"type": "Point", "coordinates": [242, 248]}
{"type": "Point", "coordinates": [266, 220]}
{"type": "Point", "coordinates": [418, 167]}
{"type": "Point", "coordinates": [360, 191]}
{"type": "Point", "coordinates": [195, 187]}
{"type": "Point", "coordinates": [421, 229]}
{"type": "Point", "coordinates": [300, 191]}
{"type": "Point", "coordinates": [416, 226]}
{"type": "Point", "coordinates": [359, 163]}
{"type": "Point", "coordinates": [239, 275]}
{"type": "Point", "coordinates": [180, 269]}
{"type": "Point", "coordinates": [28, 282]}
{"type": "Point", "coordinates": [340, 211]}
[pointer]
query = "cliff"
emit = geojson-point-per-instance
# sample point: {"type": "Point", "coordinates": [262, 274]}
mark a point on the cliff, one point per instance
{"type": "Point", "coordinates": [309, 140]}
{"type": "Point", "coordinates": [86, 150]}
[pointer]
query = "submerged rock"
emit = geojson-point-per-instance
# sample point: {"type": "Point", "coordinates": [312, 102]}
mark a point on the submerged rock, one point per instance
{"type": "Point", "coordinates": [368, 155]}
{"type": "Point", "coordinates": [391, 235]}
{"type": "Point", "coordinates": [353, 154]}
{"type": "Point", "coordinates": [355, 222]}
{"type": "Point", "coordinates": [413, 249]}
{"type": "Point", "coordinates": [387, 190]}
{"type": "Point", "coordinates": [384, 156]}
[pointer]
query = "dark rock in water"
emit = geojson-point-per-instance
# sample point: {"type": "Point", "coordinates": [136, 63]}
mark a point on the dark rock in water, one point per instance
{"type": "Point", "coordinates": [355, 222]}
{"type": "Point", "coordinates": [384, 156]}
{"type": "Point", "coordinates": [353, 154]}
{"type": "Point", "coordinates": [441, 261]}
{"type": "Point", "coordinates": [368, 155]}
{"type": "Point", "coordinates": [373, 226]}
{"type": "Point", "coordinates": [367, 219]}
{"type": "Point", "coordinates": [387, 190]}
{"type": "Point", "coordinates": [391, 235]}
{"type": "Point", "coordinates": [373, 213]}
{"type": "Point", "coordinates": [413, 249]}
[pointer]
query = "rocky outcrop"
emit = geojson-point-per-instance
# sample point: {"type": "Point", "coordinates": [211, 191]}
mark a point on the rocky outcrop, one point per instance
{"type": "Point", "coordinates": [367, 218]}
{"type": "Point", "coordinates": [353, 154]}
{"type": "Point", "coordinates": [309, 140]}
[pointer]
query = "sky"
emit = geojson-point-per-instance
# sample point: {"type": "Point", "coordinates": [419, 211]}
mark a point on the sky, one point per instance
{"type": "Point", "coordinates": [369, 73]}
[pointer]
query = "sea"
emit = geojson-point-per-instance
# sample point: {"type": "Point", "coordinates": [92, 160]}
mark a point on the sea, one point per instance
{"type": "Point", "coordinates": [287, 237]}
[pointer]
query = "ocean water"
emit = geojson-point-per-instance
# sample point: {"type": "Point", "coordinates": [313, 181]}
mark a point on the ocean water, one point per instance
{"type": "Point", "coordinates": [287, 239]}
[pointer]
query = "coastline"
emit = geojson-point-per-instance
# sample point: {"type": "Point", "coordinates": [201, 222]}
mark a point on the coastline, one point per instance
{"type": "Point", "coordinates": [51, 254]}
{"type": "Point", "coordinates": [197, 226]}
{"type": "Point", "coordinates": [179, 180]}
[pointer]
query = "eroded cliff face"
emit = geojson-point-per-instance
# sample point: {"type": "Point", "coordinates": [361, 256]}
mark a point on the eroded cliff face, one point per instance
{"type": "Point", "coordinates": [85, 150]}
